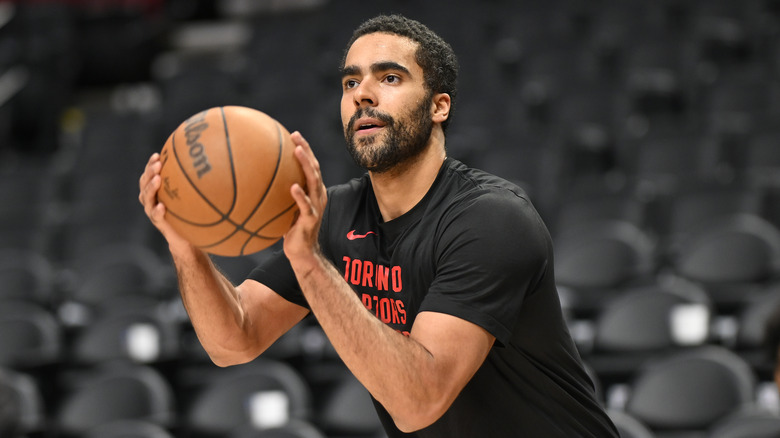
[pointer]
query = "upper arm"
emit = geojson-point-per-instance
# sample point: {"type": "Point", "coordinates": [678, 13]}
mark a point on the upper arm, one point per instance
{"type": "Point", "coordinates": [486, 264]}
{"type": "Point", "coordinates": [457, 348]}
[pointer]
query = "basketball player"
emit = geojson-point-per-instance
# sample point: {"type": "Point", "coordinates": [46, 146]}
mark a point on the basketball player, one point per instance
{"type": "Point", "coordinates": [433, 281]}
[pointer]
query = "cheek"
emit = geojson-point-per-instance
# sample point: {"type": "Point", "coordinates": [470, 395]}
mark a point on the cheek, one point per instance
{"type": "Point", "coordinates": [347, 109]}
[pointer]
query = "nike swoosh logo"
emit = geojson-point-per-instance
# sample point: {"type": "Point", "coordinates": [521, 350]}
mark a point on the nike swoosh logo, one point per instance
{"type": "Point", "coordinates": [352, 236]}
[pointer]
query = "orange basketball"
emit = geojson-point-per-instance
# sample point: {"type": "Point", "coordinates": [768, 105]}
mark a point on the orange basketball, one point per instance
{"type": "Point", "coordinates": [226, 178]}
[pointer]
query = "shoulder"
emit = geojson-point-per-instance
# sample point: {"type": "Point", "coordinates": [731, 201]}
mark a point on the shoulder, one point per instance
{"type": "Point", "coordinates": [471, 183]}
{"type": "Point", "coordinates": [485, 211]}
{"type": "Point", "coordinates": [479, 194]}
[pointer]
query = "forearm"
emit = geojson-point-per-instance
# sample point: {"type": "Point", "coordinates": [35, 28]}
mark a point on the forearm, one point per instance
{"type": "Point", "coordinates": [397, 370]}
{"type": "Point", "coordinates": [214, 307]}
{"type": "Point", "coordinates": [218, 310]}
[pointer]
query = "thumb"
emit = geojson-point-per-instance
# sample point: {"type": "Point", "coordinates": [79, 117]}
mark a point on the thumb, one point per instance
{"type": "Point", "coordinates": [170, 234]}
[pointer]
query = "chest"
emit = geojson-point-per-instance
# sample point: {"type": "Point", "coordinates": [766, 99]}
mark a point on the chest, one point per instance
{"type": "Point", "coordinates": [390, 269]}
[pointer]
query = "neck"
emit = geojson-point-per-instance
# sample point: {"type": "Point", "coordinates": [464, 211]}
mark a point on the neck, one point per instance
{"type": "Point", "coordinates": [402, 187]}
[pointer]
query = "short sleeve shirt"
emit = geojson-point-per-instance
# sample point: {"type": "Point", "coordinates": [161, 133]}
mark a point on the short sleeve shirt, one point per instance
{"type": "Point", "coordinates": [474, 247]}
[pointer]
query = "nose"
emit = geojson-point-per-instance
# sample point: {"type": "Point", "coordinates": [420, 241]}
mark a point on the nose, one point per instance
{"type": "Point", "coordinates": [364, 95]}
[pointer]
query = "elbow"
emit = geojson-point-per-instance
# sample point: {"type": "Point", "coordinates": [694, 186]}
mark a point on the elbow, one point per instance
{"type": "Point", "coordinates": [224, 362]}
{"type": "Point", "coordinates": [224, 358]}
{"type": "Point", "coordinates": [415, 410]}
{"type": "Point", "coordinates": [420, 417]}
{"type": "Point", "coordinates": [232, 350]}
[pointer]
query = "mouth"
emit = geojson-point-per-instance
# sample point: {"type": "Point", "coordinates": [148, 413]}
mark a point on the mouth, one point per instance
{"type": "Point", "coordinates": [366, 126]}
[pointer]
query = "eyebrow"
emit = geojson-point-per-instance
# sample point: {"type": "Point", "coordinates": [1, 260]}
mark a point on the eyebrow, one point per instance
{"type": "Point", "coordinates": [351, 70]}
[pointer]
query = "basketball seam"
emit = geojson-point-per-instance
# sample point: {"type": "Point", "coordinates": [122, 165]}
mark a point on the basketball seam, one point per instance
{"type": "Point", "coordinates": [241, 226]}
{"type": "Point", "coordinates": [229, 146]}
{"type": "Point", "coordinates": [273, 180]}
{"type": "Point", "coordinates": [225, 217]}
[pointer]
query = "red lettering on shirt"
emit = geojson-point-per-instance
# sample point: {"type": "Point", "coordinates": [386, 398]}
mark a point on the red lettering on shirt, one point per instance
{"type": "Point", "coordinates": [399, 305]}
{"type": "Point", "coordinates": [382, 277]}
{"type": "Point", "coordinates": [356, 270]}
{"type": "Point", "coordinates": [388, 310]}
{"type": "Point", "coordinates": [369, 274]}
{"type": "Point", "coordinates": [383, 310]}
{"type": "Point", "coordinates": [397, 286]}
{"type": "Point", "coordinates": [346, 270]}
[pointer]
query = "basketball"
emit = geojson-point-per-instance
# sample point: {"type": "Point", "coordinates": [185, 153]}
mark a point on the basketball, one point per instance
{"type": "Point", "coordinates": [226, 178]}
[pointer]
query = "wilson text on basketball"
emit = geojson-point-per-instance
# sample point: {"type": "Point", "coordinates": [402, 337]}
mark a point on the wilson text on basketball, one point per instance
{"type": "Point", "coordinates": [195, 125]}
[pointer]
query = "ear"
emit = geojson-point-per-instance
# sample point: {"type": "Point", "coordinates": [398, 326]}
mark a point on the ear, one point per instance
{"type": "Point", "coordinates": [441, 107]}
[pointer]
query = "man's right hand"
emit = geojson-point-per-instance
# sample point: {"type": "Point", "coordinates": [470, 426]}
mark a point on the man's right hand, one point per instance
{"type": "Point", "coordinates": [148, 185]}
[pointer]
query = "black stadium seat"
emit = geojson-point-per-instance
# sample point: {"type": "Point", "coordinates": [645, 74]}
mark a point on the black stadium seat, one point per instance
{"type": "Point", "coordinates": [262, 394]}
{"type": "Point", "coordinates": [114, 392]}
{"type": "Point", "coordinates": [690, 391]}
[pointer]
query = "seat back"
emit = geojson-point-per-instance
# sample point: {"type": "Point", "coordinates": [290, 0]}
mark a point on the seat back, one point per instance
{"type": "Point", "coordinates": [691, 390]}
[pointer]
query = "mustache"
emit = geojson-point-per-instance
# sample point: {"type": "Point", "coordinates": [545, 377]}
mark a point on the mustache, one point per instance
{"type": "Point", "coordinates": [370, 112]}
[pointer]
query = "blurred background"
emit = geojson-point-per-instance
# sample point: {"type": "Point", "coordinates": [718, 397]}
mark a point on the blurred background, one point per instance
{"type": "Point", "coordinates": [645, 132]}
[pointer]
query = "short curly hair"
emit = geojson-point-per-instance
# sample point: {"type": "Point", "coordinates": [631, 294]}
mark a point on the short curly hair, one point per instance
{"type": "Point", "coordinates": [434, 55]}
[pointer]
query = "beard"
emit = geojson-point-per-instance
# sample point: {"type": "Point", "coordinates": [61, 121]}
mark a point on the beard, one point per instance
{"type": "Point", "coordinates": [405, 138]}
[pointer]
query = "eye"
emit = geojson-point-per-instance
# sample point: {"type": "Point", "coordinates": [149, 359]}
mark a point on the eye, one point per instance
{"type": "Point", "coordinates": [350, 83]}
{"type": "Point", "coordinates": [392, 79]}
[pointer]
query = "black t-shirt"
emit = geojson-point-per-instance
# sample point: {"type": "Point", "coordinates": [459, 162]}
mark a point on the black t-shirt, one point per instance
{"type": "Point", "coordinates": [473, 247]}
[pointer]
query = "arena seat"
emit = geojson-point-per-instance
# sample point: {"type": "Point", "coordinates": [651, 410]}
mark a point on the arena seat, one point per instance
{"type": "Point", "coordinates": [27, 275]}
{"type": "Point", "coordinates": [761, 163]}
{"type": "Point", "coordinates": [732, 257]}
{"type": "Point", "coordinates": [262, 394]}
{"type": "Point", "coordinates": [113, 392]}
{"type": "Point", "coordinates": [131, 328]}
{"type": "Point", "coordinates": [749, 338]}
{"type": "Point", "coordinates": [750, 423]}
{"type": "Point", "coordinates": [628, 426]}
{"type": "Point", "coordinates": [30, 336]}
{"type": "Point", "coordinates": [594, 260]}
{"type": "Point", "coordinates": [22, 404]}
{"type": "Point", "coordinates": [645, 321]}
{"type": "Point", "coordinates": [294, 429]}
{"type": "Point", "coordinates": [688, 392]}
{"type": "Point", "coordinates": [116, 269]}
{"type": "Point", "coordinates": [128, 429]}
{"type": "Point", "coordinates": [347, 409]}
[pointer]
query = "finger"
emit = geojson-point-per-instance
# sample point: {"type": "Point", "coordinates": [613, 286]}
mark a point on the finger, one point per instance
{"type": "Point", "coordinates": [311, 172]}
{"type": "Point", "coordinates": [300, 141]}
{"type": "Point", "coordinates": [149, 194]}
{"type": "Point", "coordinates": [315, 187]}
{"type": "Point", "coordinates": [152, 168]}
{"type": "Point", "coordinates": [157, 217]}
{"type": "Point", "coordinates": [303, 201]}
{"type": "Point", "coordinates": [157, 213]}
{"type": "Point", "coordinates": [155, 158]}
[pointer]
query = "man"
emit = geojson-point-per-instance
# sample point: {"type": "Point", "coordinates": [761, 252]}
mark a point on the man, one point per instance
{"type": "Point", "coordinates": [433, 281]}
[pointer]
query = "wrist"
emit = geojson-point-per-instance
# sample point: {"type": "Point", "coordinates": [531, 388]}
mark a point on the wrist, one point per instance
{"type": "Point", "coordinates": [306, 264]}
{"type": "Point", "coordinates": [181, 249]}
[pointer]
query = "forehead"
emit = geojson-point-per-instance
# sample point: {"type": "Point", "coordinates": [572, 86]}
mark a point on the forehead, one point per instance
{"type": "Point", "coordinates": [376, 47]}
